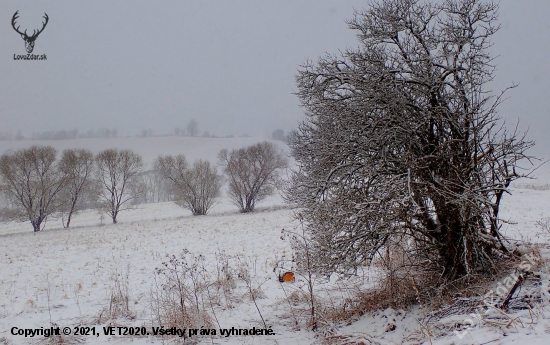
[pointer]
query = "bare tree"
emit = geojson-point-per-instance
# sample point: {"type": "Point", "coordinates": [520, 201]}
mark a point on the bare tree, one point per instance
{"type": "Point", "coordinates": [196, 188]}
{"type": "Point", "coordinates": [19, 135]}
{"type": "Point", "coordinates": [193, 128]}
{"type": "Point", "coordinates": [146, 133]}
{"type": "Point", "coordinates": [401, 142]}
{"type": "Point", "coordinates": [253, 173]}
{"type": "Point", "coordinates": [157, 188]}
{"type": "Point", "coordinates": [278, 134]}
{"type": "Point", "coordinates": [172, 169]}
{"type": "Point", "coordinates": [117, 172]}
{"type": "Point", "coordinates": [77, 166]}
{"type": "Point", "coordinates": [32, 182]}
{"type": "Point", "coordinates": [203, 188]}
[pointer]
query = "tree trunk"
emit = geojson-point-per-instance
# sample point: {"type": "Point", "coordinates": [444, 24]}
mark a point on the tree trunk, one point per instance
{"type": "Point", "coordinates": [69, 216]}
{"type": "Point", "coordinates": [452, 241]}
{"type": "Point", "coordinates": [36, 225]}
{"type": "Point", "coordinates": [73, 205]}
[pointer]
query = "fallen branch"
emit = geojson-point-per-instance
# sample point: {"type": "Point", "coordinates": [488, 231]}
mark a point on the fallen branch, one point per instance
{"type": "Point", "coordinates": [512, 291]}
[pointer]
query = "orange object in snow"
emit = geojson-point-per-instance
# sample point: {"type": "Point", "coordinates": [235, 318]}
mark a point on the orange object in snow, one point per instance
{"type": "Point", "coordinates": [287, 277]}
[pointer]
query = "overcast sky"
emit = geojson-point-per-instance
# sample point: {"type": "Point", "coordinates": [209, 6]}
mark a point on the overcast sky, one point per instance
{"type": "Point", "coordinates": [229, 64]}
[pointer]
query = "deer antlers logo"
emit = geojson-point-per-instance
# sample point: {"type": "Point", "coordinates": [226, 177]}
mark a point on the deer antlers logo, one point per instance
{"type": "Point", "coordinates": [29, 40]}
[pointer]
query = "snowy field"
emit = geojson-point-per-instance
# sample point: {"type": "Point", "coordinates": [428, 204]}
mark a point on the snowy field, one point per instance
{"type": "Point", "coordinates": [66, 276]}
{"type": "Point", "coordinates": [79, 264]}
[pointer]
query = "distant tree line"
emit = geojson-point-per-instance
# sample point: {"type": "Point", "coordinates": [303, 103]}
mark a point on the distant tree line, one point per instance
{"type": "Point", "coordinates": [191, 130]}
{"type": "Point", "coordinates": [61, 134]}
{"type": "Point", "coordinates": [8, 136]}
{"type": "Point", "coordinates": [100, 133]}
{"type": "Point", "coordinates": [55, 135]}
{"type": "Point", "coordinates": [35, 184]}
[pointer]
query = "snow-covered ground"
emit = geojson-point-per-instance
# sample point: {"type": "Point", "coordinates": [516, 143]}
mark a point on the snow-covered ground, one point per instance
{"type": "Point", "coordinates": [77, 265]}
{"type": "Point", "coordinates": [66, 276]}
{"type": "Point", "coordinates": [76, 268]}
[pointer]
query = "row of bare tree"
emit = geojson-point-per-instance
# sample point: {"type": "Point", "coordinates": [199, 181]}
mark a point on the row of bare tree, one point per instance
{"type": "Point", "coordinates": [35, 185]}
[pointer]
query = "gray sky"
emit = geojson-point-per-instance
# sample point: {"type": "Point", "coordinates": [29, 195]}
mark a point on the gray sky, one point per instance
{"type": "Point", "coordinates": [229, 64]}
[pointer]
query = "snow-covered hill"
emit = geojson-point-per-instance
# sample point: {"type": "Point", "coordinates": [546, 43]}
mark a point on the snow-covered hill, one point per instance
{"type": "Point", "coordinates": [67, 276]}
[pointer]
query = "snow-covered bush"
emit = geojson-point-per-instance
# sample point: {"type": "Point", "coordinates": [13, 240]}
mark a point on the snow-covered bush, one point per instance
{"type": "Point", "coordinates": [402, 144]}
{"type": "Point", "coordinates": [117, 173]}
{"type": "Point", "coordinates": [81, 190]}
{"type": "Point", "coordinates": [253, 173]}
{"type": "Point", "coordinates": [31, 184]}
{"type": "Point", "coordinates": [196, 188]}
{"type": "Point", "coordinates": [181, 296]}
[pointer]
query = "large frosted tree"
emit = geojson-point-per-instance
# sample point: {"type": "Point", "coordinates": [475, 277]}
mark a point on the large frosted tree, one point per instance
{"type": "Point", "coordinates": [402, 145]}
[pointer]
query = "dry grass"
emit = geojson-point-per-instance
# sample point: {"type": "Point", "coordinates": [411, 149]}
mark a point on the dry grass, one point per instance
{"type": "Point", "coordinates": [297, 296]}
{"type": "Point", "coordinates": [119, 297]}
{"type": "Point", "coordinates": [180, 296]}
{"type": "Point", "coordinates": [402, 287]}
{"type": "Point", "coordinates": [544, 224]}
{"type": "Point", "coordinates": [225, 280]}
{"type": "Point", "coordinates": [349, 339]}
{"type": "Point", "coordinates": [254, 293]}
{"type": "Point", "coordinates": [405, 283]}
{"type": "Point", "coordinates": [61, 339]}
{"type": "Point", "coordinates": [533, 186]}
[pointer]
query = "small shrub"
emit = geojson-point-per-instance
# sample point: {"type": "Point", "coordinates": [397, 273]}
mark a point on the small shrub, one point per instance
{"type": "Point", "coordinates": [544, 224]}
{"type": "Point", "coordinates": [179, 295]}
{"type": "Point", "coordinates": [119, 297]}
{"type": "Point", "coordinates": [225, 278]}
